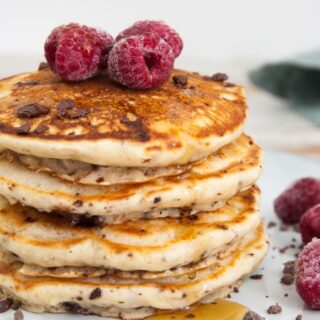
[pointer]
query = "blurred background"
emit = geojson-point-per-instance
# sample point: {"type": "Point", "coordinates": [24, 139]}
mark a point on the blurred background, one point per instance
{"type": "Point", "coordinates": [219, 36]}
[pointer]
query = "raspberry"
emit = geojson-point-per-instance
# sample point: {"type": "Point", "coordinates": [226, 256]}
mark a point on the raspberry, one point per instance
{"type": "Point", "coordinates": [141, 62]}
{"type": "Point", "coordinates": [76, 52]}
{"type": "Point", "coordinates": [297, 199]}
{"type": "Point", "coordinates": [308, 274]}
{"type": "Point", "coordinates": [157, 27]}
{"type": "Point", "coordinates": [310, 224]}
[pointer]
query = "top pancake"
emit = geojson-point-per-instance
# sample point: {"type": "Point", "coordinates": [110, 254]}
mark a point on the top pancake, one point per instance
{"type": "Point", "coordinates": [113, 126]}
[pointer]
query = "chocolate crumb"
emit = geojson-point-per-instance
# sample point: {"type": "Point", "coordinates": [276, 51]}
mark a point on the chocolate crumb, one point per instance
{"type": "Point", "coordinates": [274, 309]}
{"type": "Point", "coordinates": [236, 289]}
{"type": "Point", "coordinates": [286, 295]}
{"type": "Point", "coordinates": [78, 203]}
{"type": "Point", "coordinates": [219, 77]}
{"type": "Point", "coordinates": [5, 305]}
{"type": "Point", "coordinates": [287, 279]}
{"type": "Point", "coordinates": [23, 129]}
{"type": "Point", "coordinates": [72, 307]}
{"type": "Point", "coordinates": [41, 128]}
{"type": "Point", "coordinates": [95, 294]}
{"type": "Point", "coordinates": [190, 316]}
{"type": "Point", "coordinates": [100, 179]}
{"type": "Point", "coordinates": [250, 315]}
{"type": "Point", "coordinates": [18, 315]}
{"type": "Point", "coordinates": [230, 85]}
{"type": "Point", "coordinates": [299, 317]}
{"type": "Point", "coordinates": [32, 110]}
{"type": "Point", "coordinates": [256, 276]}
{"type": "Point", "coordinates": [271, 224]}
{"type": "Point", "coordinates": [156, 199]}
{"type": "Point", "coordinates": [43, 65]}
{"type": "Point", "coordinates": [180, 80]}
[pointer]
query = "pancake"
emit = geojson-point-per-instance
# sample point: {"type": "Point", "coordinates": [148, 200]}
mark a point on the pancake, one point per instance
{"type": "Point", "coordinates": [230, 169]}
{"type": "Point", "coordinates": [57, 295]}
{"type": "Point", "coordinates": [86, 173]}
{"type": "Point", "coordinates": [99, 122]}
{"type": "Point", "coordinates": [151, 245]}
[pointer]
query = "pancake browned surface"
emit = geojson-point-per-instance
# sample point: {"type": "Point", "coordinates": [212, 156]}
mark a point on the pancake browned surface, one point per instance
{"type": "Point", "coordinates": [151, 245]}
{"type": "Point", "coordinates": [168, 293]}
{"type": "Point", "coordinates": [217, 178]}
{"type": "Point", "coordinates": [99, 122]}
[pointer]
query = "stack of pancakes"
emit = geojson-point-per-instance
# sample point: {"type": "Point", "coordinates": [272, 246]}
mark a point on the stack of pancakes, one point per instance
{"type": "Point", "coordinates": [119, 202]}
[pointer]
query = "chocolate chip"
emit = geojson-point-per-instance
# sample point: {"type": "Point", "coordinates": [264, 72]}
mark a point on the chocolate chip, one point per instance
{"type": "Point", "coordinates": [67, 109]}
{"type": "Point", "coordinates": [43, 65]}
{"type": "Point", "coordinates": [72, 307]}
{"type": "Point", "coordinates": [250, 315]}
{"type": "Point", "coordinates": [27, 83]}
{"type": "Point", "coordinates": [18, 315]}
{"type": "Point", "coordinates": [95, 294]}
{"type": "Point", "coordinates": [5, 305]}
{"type": "Point", "coordinates": [41, 128]}
{"type": "Point", "coordinates": [32, 110]}
{"type": "Point", "coordinates": [180, 80]}
{"type": "Point", "coordinates": [100, 179]}
{"type": "Point", "coordinates": [256, 276]}
{"type": "Point", "coordinates": [156, 199]}
{"type": "Point", "coordinates": [236, 289]}
{"type": "Point", "coordinates": [274, 309]}
{"type": "Point", "coordinates": [287, 279]}
{"type": "Point", "coordinates": [78, 203]}
{"type": "Point", "coordinates": [219, 77]}
{"type": "Point", "coordinates": [23, 129]}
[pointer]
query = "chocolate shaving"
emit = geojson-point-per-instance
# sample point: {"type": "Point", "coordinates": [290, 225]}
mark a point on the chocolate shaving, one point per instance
{"type": "Point", "coordinates": [24, 129]}
{"type": "Point", "coordinates": [18, 315]}
{"type": "Point", "coordinates": [250, 315]}
{"type": "Point", "coordinates": [5, 305]}
{"type": "Point", "coordinates": [180, 80]}
{"type": "Point", "coordinates": [219, 77]}
{"type": "Point", "coordinates": [32, 110]}
{"type": "Point", "coordinates": [274, 309]}
{"type": "Point", "coordinates": [43, 65]}
{"type": "Point", "coordinates": [41, 128]}
{"type": "Point", "coordinates": [67, 109]}
{"type": "Point", "coordinates": [95, 294]}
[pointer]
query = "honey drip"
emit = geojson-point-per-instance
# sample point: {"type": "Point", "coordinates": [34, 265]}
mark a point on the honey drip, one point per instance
{"type": "Point", "coordinates": [220, 310]}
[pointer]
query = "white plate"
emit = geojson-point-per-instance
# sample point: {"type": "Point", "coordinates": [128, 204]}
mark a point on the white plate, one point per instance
{"type": "Point", "coordinates": [280, 170]}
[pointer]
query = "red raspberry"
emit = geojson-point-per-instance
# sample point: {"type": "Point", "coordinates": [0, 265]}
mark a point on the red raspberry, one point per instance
{"type": "Point", "coordinates": [310, 224]}
{"type": "Point", "coordinates": [157, 27]}
{"type": "Point", "coordinates": [308, 274]}
{"type": "Point", "coordinates": [141, 62]}
{"type": "Point", "coordinates": [76, 52]}
{"type": "Point", "coordinates": [297, 199]}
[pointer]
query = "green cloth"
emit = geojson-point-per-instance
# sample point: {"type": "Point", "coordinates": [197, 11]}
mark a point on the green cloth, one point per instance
{"type": "Point", "coordinates": [297, 80]}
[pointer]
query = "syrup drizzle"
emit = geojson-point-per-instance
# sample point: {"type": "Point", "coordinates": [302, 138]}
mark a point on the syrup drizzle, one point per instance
{"type": "Point", "coordinates": [221, 310]}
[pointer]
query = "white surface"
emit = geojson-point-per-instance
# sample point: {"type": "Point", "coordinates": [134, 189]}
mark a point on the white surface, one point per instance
{"type": "Point", "coordinates": [209, 28]}
{"type": "Point", "coordinates": [280, 170]}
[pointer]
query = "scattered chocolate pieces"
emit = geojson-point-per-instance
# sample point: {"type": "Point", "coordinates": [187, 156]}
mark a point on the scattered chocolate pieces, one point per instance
{"type": "Point", "coordinates": [271, 224]}
{"type": "Point", "coordinates": [95, 294]}
{"type": "Point", "coordinates": [250, 315]}
{"type": "Point", "coordinates": [41, 128]}
{"type": "Point", "coordinates": [288, 273]}
{"type": "Point", "coordinates": [32, 110]}
{"type": "Point", "coordinates": [18, 315]}
{"type": "Point", "coordinates": [256, 276]}
{"type": "Point", "coordinates": [180, 80]}
{"type": "Point", "coordinates": [43, 65]}
{"type": "Point", "coordinates": [219, 77]}
{"type": "Point", "coordinates": [274, 309]}
{"type": "Point", "coordinates": [67, 109]}
{"type": "Point", "coordinates": [23, 129]}
{"type": "Point", "coordinates": [5, 305]}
